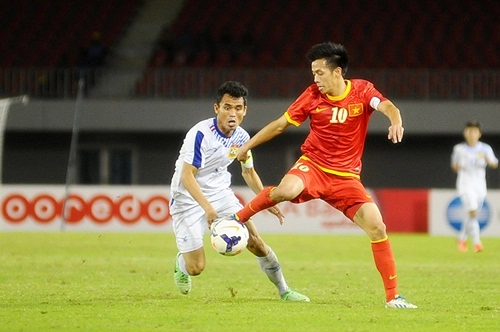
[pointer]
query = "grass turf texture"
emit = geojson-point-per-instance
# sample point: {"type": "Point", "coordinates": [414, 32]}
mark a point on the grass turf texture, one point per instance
{"type": "Point", "coordinates": [103, 282]}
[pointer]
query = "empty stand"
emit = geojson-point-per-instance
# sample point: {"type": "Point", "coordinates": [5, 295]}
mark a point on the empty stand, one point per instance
{"type": "Point", "coordinates": [378, 34]}
{"type": "Point", "coordinates": [400, 35]}
{"type": "Point", "coordinates": [51, 33]}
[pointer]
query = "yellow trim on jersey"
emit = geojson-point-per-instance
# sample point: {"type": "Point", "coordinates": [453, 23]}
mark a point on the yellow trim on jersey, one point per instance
{"type": "Point", "coordinates": [295, 123]}
{"type": "Point", "coordinates": [342, 96]}
{"type": "Point", "coordinates": [331, 171]}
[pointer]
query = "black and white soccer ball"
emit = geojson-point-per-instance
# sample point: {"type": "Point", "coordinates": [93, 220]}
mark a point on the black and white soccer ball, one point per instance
{"type": "Point", "coordinates": [228, 236]}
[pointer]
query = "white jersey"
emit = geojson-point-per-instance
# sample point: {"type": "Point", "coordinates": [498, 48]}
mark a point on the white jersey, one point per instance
{"type": "Point", "coordinates": [471, 161]}
{"type": "Point", "coordinates": [209, 150]}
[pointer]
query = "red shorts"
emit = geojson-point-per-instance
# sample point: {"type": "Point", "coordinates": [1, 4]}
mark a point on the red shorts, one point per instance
{"type": "Point", "coordinates": [344, 193]}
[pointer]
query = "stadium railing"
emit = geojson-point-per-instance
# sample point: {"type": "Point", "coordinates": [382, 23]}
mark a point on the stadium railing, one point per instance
{"type": "Point", "coordinates": [181, 83]}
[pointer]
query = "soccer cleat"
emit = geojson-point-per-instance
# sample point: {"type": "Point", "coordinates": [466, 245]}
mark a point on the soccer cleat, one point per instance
{"type": "Point", "coordinates": [462, 245]}
{"type": "Point", "coordinates": [293, 296]}
{"type": "Point", "coordinates": [478, 247]}
{"type": "Point", "coordinates": [400, 302]}
{"type": "Point", "coordinates": [182, 280]}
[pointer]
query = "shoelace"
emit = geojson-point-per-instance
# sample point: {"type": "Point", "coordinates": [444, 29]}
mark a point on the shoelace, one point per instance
{"type": "Point", "coordinates": [184, 277]}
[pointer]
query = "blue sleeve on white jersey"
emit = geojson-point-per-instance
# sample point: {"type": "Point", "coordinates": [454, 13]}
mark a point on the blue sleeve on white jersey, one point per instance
{"type": "Point", "coordinates": [197, 159]}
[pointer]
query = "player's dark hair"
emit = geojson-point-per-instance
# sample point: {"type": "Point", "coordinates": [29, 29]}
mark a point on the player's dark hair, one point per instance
{"type": "Point", "coordinates": [475, 124]}
{"type": "Point", "coordinates": [335, 54]}
{"type": "Point", "coordinates": [234, 89]}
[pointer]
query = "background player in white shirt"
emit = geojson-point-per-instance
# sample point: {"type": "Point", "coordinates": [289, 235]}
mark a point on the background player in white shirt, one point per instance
{"type": "Point", "coordinates": [200, 190]}
{"type": "Point", "coordinates": [469, 160]}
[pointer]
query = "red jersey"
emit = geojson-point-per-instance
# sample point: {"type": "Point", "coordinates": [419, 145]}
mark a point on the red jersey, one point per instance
{"type": "Point", "coordinates": [338, 125]}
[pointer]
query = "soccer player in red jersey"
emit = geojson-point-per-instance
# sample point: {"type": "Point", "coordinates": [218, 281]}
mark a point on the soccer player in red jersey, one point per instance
{"type": "Point", "coordinates": [329, 169]}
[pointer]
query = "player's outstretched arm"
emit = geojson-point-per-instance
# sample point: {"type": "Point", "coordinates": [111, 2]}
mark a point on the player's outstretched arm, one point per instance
{"type": "Point", "coordinates": [267, 133]}
{"type": "Point", "coordinates": [253, 181]}
{"type": "Point", "coordinates": [396, 130]}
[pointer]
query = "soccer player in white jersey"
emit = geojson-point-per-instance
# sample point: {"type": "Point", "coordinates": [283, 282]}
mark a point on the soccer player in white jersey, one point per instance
{"type": "Point", "coordinates": [200, 190]}
{"type": "Point", "coordinates": [469, 160]}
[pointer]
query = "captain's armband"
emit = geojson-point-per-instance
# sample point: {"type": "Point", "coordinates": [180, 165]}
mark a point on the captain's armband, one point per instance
{"type": "Point", "coordinates": [249, 162]}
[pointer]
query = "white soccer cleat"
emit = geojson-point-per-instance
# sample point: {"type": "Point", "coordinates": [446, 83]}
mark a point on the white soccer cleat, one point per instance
{"type": "Point", "coordinates": [400, 302]}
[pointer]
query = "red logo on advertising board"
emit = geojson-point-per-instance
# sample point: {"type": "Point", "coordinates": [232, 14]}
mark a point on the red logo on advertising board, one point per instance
{"type": "Point", "coordinates": [100, 209]}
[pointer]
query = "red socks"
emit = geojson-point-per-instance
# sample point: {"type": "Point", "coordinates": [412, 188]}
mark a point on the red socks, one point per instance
{"type": "Point", "coordinates": [384, 261]}
{"type": "Point", "coordinates": [260, 202]}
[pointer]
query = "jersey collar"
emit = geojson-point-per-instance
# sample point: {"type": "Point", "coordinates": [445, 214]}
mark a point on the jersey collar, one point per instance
{"type": "Point", "coordinates": [221, 134]}
{"type": "Point", "coordinates": [342, 96]}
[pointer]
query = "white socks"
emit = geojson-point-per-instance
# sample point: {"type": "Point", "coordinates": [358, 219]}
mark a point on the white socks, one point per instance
{"type": "Point", "coordinates": [474, 231]}
{"type": "Point", "coordinates": [271, 267]}
{"type": "Point", "coordinates": [182, 264]}
{"type": "Point", "coordinates": [470, 228]}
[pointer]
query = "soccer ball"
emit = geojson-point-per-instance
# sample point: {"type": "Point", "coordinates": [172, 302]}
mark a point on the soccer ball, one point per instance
{"type": "Point", "coordinates": [228, 236]}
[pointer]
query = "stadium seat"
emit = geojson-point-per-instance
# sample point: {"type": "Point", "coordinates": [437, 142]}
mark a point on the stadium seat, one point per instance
{"type": "Point", "coordinates": [44, 33]}
{"type": "Point", "coordinates": [410, 30]}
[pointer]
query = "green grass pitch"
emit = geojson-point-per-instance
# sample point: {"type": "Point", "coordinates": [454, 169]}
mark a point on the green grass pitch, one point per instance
{"type": "Point", "coordinates": [124, 282]}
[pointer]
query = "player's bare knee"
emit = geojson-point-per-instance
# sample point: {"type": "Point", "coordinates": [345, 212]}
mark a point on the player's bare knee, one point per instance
{"type": "Point", "coordinates": [195, 269]}
{"type": "Point", "coordinates": [377, 230]}
{"type": "Point", "coordinates": [282, 194]}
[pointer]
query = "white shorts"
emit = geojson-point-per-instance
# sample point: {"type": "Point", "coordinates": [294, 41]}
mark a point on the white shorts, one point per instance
{"type": "Point", "coordinates": [472, 201]}
{"type": "Point", "coordinates": [190, 226]}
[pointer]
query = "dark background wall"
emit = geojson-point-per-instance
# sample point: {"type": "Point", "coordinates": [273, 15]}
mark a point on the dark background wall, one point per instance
{"type": "Point", "coordinates": [420, 161]}
{"type": "Point", "coordinates": [38, 136]}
